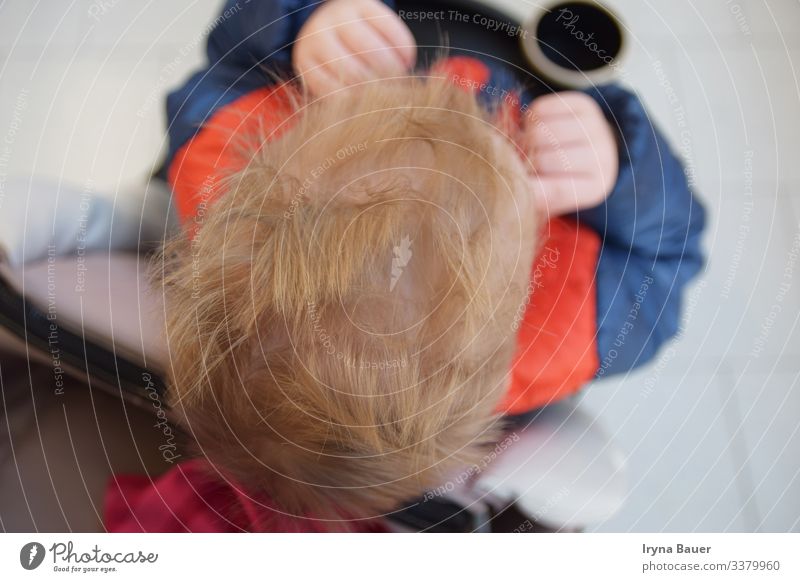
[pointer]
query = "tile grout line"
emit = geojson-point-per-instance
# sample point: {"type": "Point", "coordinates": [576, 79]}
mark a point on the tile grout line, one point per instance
{"type": "Point", "coordinates": [737, 448]}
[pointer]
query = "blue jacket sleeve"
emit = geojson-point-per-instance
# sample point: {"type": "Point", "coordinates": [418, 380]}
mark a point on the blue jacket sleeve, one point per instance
{"type": "Point", "coordinates": [650, 226]}
{"type": "Point", "coordinates": [249, 42]}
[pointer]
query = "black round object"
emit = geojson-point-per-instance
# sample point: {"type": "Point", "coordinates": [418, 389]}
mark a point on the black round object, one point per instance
{"type": "Point", "coordinates": [470, 28]}
{"type": "Point", "coordinates": [579, 36]}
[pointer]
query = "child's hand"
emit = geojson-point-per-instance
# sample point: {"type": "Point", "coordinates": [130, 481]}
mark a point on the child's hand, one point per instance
{"type": "Point", "coordinates": [573, 150]}
{"type": "Point", "coordinates": [347, 41]}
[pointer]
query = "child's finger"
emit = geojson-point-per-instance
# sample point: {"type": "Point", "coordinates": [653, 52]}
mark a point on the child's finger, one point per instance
{"type": "Point", "coordinates": [393, 30]}
{"type": "Point", "coordinates": [563, 104]}
{"type": "Point", "coordinates": [340, 63]}
{"type": "Point", "coordinates": [581, 159]}
{"type": "Point", "coordinates": [563, 194]}
{"type": "Point", "coordinates": [333, 68]}
{"type": "Point", "coordinates": [371, 48]}
{"type": "Point", "coordinates": [560, 131]}
{"type": "Point", "coordinates": [319, 82]}
{"type": "Point", "coordinates": [322, 78]}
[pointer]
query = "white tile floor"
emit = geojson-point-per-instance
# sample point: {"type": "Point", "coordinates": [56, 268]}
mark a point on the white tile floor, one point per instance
{"type": "Point", "coordinates": [714, 446]}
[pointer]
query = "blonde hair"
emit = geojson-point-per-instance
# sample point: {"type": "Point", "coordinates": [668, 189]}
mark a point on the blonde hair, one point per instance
{"type": "Point", "coordinates": [341, 329]}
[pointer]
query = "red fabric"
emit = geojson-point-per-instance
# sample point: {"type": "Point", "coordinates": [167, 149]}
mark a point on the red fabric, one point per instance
{"type": "Point", "coordinates": [556, 351]}
{"type": "Point", "coordinates": [474, 76]}
{"type": "Point", "coordinates": [193, 497]}
{"type": "Point", "coordinates": [213, 152]}
{"type": "Point", "coordinates": [464, 71]}
{"type": "Point", "coordinates": [556, 340]}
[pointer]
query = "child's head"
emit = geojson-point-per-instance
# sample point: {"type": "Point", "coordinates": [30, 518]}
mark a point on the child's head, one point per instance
{"type": "Point", "coordinates": [341, 330]}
